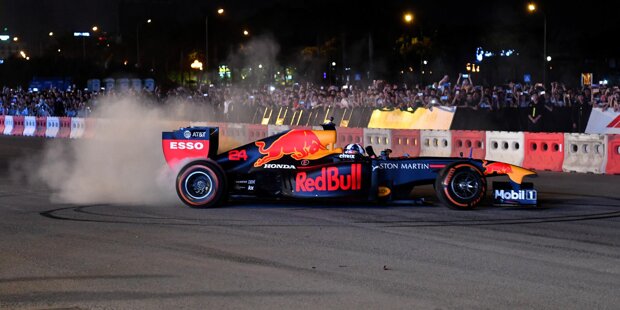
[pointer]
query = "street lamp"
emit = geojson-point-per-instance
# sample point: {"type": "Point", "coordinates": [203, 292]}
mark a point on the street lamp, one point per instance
{"type": "Point", "coordinates": [532, 8]}
{"type": "Point", "coordinates": [246, 33]}
{"type": "Point", "coordinates": [95, 28]}
{"type": "Point", "coordinates": [148, 21]}
{"type": "Point", "coordinates": [548, 58]}
{"type": "Point", "coordinates": [15, 39]}
{"type": "Point", "coordinates": [408, 18]}
{"type": "Point", "coordinates": [51, 34]}
{"type": "Point", "coordinates": [220, 11]}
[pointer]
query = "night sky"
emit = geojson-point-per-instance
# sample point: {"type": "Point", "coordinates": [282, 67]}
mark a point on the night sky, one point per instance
{"type": "Point", "coordinates": [581, 37]}
{"type": "Point", "coordinates": [33, 19]}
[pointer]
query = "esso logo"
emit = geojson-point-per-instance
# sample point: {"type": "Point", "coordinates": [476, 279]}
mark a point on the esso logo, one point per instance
{"type": "Point", "coordinates": [186, 146]}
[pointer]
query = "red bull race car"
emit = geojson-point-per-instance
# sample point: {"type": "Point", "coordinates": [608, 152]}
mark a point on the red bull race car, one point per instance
{"type": "Point", "coordinates": [305, 164]}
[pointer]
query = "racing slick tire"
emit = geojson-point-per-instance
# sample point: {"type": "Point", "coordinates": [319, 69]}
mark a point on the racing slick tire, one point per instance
{"type": "Point", "coordinates": [461, 186]}
{"type": "Point", "coordinates": [201, 184]}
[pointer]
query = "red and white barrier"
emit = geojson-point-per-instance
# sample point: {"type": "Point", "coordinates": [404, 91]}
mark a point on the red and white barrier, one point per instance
{"type": "Point", "coordinates": [77, 128]}
{"type": "Point", "coordinates": [584, 153]}
{"type": "Point", "coordinates": [436, 143]}
{"type": "Point", "coordinates": [406, 141]}
{"type": "Point", "coordinates": [256, 132]}
{"type": "Point", "coordinates": [347, 135]}
{"type": "Point", "coordinates": [41, 127]}
{"type": "Point", "coordinates": [540, 151]}
{"type": "Point", "coordinates": [379, 139]}
{"type": "Point", "coordinates": [505, 146]}
{"type": "Point", "coordinates": [52, 124]}
{"type": "Point", "coordinates": [65, 128]}
{"type": "Point", "coordinates": [465, 142]}
{"type": "Point", "coordinates": [8, 125]}
{"type": "Point", "coordinates": [18, 126]}
{"type": "Point", "coordinates": [30, 125]}
{"type": "Point", "coordinates": [544, 151]}
{"type": "Point", "coordinates": [613, 154]}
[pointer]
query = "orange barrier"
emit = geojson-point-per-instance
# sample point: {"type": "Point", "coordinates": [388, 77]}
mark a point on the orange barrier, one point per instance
{"type": "Point", "coordinates": [544, 151]}
{"type": "Point", "coordinates": [18, 126]}
{"type": "Point", "coordinates": [613, 154]}
{"type": "Point", "coordinates": [41, 127]}
{"type": "Point", "coordinates": [65, 127]}
{"type": "Point", "coordinates": [1, 124]}
{"type": "Point", "coordinates": [468, 141]}
{"type": "Point", "coordinates": [405, 141]}
{"type": "Point", "coordinates": [347, 135]}
{"type": "Point", "coordinates": [256, 132]}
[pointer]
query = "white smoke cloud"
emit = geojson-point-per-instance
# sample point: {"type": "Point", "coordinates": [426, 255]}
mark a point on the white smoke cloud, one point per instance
{"type": "Point", "coordinates": [122, 164]}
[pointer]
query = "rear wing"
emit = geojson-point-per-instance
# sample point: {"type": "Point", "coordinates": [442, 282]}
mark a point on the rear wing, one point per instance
{"type": "Point", "coordinates": [189, 143]}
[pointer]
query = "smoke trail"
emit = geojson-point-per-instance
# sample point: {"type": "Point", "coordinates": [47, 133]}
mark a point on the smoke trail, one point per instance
{"type": "Point", "coordinates": [123, 164]}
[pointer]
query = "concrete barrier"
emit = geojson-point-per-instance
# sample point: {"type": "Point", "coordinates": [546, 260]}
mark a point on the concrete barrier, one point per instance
{"type": "Point", "coordinates": [436, 143]}
{"type": "Point", "coordinates": [275, 129]}
{"type": "Point", "coordinates": [52, 124]}
{"type": "Point", "coordinates": [78, 127]}
{"type": "Point", "coordinates": [585, 153]}
{"type": "Point", "coordinates": [379, 139]}
{"type": "Point", "coordinates": [505, 146]}
{"type": "Point", "coordinates": [30, 125]}
{"type": "Point", "coordinates": [8, 125]}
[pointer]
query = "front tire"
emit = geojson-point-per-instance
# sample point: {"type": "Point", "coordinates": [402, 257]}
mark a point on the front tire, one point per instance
{"type": "Point", "coordinates": [201, 184]}
{"type": "Point", "coordinates": [461, 186]}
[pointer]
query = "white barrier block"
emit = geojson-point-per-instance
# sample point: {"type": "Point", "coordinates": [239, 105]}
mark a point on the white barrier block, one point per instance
{"type": "Point", "coordinates": [77, 127]}
{"type": "Point", "coordinates": [379, 139]}
{"type": "Point", "coordinates": [435, 143]}
{"type": "Point", "coordinates": [8, 125]}
{"type": "Point", "coordinates": [30, 125]}
{"type": "Point", "coordinates": [505, 146]}
{"type": "Point", "coordinates": [53, 125]}
{"type": "Point", "coordinates": [585, 153]}
{"type": "Point", "coordinates": [275, 129]}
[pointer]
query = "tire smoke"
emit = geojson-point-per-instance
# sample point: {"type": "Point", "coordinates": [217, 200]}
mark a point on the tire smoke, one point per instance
{"type": "Point", "coordinates": [123, 163]}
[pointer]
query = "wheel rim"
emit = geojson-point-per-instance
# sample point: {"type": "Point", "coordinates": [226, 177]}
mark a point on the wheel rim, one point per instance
{"type": "Point", "coordinates": [465, 185]}
{"type": "Point", "coordinates": [198, 185]}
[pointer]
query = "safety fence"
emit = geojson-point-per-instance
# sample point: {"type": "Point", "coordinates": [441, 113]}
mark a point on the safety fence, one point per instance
{"type": "Point", "coordinates": [568, 152]}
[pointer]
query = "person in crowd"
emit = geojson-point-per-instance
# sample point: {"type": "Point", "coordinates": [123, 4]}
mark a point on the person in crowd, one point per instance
{"type": "Point", "coordinates": [579, 113]}
{"type": "Point", "coordinates": [535, 112]}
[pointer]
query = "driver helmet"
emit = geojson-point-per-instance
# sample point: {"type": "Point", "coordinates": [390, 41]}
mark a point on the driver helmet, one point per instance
{"type": "Point", "coordinates": [354, 148]}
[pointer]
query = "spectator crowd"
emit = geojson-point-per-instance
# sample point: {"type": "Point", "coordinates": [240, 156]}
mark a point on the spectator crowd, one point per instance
{"type": "Point", "coordinates": [380, 94]}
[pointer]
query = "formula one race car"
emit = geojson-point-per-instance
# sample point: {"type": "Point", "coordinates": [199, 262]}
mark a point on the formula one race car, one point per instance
{"type": "Point", "coordinates": [303, 163]}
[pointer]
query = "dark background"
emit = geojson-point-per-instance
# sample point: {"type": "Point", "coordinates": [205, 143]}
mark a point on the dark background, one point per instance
{"type": "Point", "coordinates": [581, 37]}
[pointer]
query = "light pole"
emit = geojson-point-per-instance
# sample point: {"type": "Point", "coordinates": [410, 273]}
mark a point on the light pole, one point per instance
{"type": "Point", "coordinates": [220, 11]}
{"type": "Point", "coordinates": [148, 21]}
{"type": "Point", "coordinates": [531, 7]}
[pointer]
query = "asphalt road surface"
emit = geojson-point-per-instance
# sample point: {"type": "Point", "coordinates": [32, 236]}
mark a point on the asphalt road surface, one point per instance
{"type": "Point", "coordinates": [264, 255]}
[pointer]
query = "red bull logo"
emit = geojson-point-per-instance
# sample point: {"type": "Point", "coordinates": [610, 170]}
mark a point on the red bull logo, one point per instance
{"type": "Point", "coordinates": [330, 179]}
{"type": "Point", "coordinates": [499, 168]}
{"type": "Point", "coordinates": [299, 144]}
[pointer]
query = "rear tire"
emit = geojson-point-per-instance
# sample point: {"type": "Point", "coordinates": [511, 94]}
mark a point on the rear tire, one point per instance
{"type": "Point", "coordinates": [461, 186]}
{"type": "Point", "coordinates": [201, 184]}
